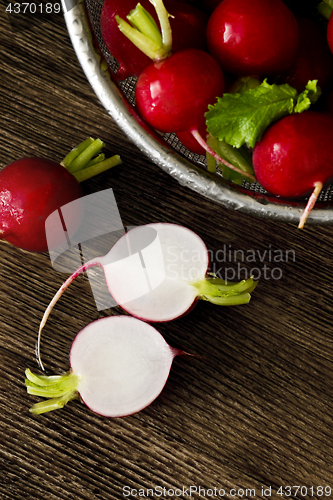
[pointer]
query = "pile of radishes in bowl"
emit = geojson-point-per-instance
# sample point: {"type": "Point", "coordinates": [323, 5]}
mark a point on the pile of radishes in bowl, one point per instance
{"type": "Point", "coordinates": [249, 85]}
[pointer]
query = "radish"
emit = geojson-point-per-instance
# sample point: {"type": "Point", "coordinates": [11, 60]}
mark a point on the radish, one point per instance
{"type": "Point", "coordinates": [260, 38]}
{"type": "Point", "coordinates": [157, 272]}
{"type": "Point", "coordinates": [173, 93]}
{"type": "Point", "coordinates": [118, 366]}
{"type": "Point", "coordinates": [295, 157]}
{"type": "Point", "coordinates": [188, 25]}
{"type": "Point", "coordinates": [33, 188]}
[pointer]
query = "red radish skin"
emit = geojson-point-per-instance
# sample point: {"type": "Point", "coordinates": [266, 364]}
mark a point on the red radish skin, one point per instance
{"type": "Point", "coordinates": [30, 190]}
{"type": "Point", "coordinates": [257, 38]}
{"type": "Point", "coordinates": [295, 156]}
{"type": "Point", "coordinates": [173, 95]}
{"type": "Point", "coordinates": [188, 25]}
{"type": "Point", "coordinates": [118, 366]}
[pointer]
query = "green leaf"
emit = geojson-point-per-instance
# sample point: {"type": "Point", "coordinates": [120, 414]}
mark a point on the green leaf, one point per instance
{"type": "Point", "coordinates": [242, 118]}
{"type": "Point", "coordinates": [307, 97]}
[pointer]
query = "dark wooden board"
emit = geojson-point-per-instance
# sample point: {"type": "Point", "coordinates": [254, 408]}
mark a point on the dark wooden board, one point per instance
{"type": "Point", "coordinates": [254, 412]}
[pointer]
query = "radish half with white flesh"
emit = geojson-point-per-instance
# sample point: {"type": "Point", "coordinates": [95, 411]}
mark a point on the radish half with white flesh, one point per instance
{"type": "Point", "coordinates": [118, 366]}
{"type": "Point", "coordinates": [157, 272]}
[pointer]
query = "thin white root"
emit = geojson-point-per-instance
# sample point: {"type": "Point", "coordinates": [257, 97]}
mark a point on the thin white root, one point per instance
{"type": "Point", "coordinates": [310, 204]}
{"type": "Point", "coordinates": [55, 299]}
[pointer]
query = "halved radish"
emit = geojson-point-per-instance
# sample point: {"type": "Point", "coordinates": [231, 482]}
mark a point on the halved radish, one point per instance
{"type": "Point", "coordinates": [157, 272]}
{"type": "Point", "coordinates": [118, 366]}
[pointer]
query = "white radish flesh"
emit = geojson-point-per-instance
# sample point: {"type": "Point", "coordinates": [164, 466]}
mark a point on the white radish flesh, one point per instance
{"type": "Point", "coordinates": [166, 259]}
{"type": "Point", "coordinates": [119, 365]}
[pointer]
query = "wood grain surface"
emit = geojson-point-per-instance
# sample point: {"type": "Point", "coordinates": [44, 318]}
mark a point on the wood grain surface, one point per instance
{"type": "Point", "coordinates": [252, 414]}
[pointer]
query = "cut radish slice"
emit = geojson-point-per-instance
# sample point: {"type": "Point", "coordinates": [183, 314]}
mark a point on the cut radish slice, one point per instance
{"type": "Point", "coordinates": [119, 365]}
{"type": "Point", "coordinates": [160, 262]}
{"type": "Point", "coordinates": [156, 272]}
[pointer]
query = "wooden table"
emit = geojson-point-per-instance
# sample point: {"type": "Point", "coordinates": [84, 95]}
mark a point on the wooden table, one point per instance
{"type": "Point", "coordinates": [250, 418]}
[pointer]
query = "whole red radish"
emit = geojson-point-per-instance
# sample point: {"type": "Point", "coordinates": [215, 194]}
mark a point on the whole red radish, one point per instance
{"type": "Point", "coordinates": [30, 190]}
{"type": "Point", "coordinates": [173, 95]}
{"type": "Point", "coordinates": [188, 25]}
{"type": "Point", "coordinates": [253, 38]}
{"type": "Point", "coordinates": [314, 60]}
{"type": "Point", "coordinates": [33, 188]}
{"type": "Point", "coordinates": [295, 157]}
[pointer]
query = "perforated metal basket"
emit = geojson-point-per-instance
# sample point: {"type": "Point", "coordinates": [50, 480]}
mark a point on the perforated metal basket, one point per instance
{"type": "Point", "coordinates": [83, 24]}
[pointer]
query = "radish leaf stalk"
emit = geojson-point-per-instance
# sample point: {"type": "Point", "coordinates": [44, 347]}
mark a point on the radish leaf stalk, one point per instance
{"type": "Point", "coordinates": [86, 160]}
{"type": "Point", "coordinates": [58, 388]}
{"type": "Point", "coordinates": [219, 292]}
{"type": "Point", "coordinates": [145, 33]}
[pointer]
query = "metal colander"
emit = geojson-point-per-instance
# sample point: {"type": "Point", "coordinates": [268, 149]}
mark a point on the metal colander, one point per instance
{"type": "Point", "coordinates": [166, 151]}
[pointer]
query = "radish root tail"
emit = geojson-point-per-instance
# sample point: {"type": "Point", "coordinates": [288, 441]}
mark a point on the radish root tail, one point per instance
{"type": "Point", "coordinates": [311, 203]}
{"type": "Point", "coordinates": [217, 157]}
{"type": "Point", "coordinates": [55, 299]}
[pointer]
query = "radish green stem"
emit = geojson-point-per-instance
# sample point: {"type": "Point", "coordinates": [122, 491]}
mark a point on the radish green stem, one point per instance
{"type": "Point", "coordinates": [329, 3]}
{"type": "Point", "coordinates": [97, 159]}
{"type": "Point", "coordinates": [163, 18]}
{"type": "Point", "coordinates": [49, 308]}
{"type": "Point", "coordinates": [145, 23]}
{"type": "Point", "coordinates": [311, 203]}
{"type": "Point", "coordinates": [147, 46]}
{"type": "Point", "coordinates": [87, 154]}
{"type": "Point", "coordinates": [219, 292]}
{"type": "Point", "coordinates": [234, 156]}
{"type": "Point", "coordinates": [233, 300]}
{"type": "Point", "coordinates": [145, 34]}
{"type": "Point", "coordinates": [211, 162]}
{"type": "Point", "coordinates": [74, 153]}
{"type": "Point", "coordinates": [59, 388]}
{"type": "Point", "coordinates": [86, 160]}
{"type": "Point", "coordinates": [98, 168]}
{"type": "Point", "coordinates": [217, 157]}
